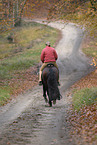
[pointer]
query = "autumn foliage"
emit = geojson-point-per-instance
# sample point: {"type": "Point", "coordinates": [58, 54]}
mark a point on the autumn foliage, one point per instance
{"type": "Point", "coordinates": [84, 124]}
{"type": "Point", "coordinates": [84, 121]}
{"type": "Point", "coordinates": [94, 62]}
{"type": "Point", "coordinates": [11, 13]}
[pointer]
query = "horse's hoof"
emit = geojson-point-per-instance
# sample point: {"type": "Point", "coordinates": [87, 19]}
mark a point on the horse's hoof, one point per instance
{"type": "Point", "coordinates": [54, 102]}
{"type": "Point", "coordinates": [50, 103]}
{"type": "Point", "coordinates": [47, 105]}
{"type": "Point", "coordinates": [46, 100]}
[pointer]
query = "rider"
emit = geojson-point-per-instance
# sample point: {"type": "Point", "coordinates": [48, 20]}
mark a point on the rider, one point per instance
{"type": "Point", "coordinates": [48, 55]}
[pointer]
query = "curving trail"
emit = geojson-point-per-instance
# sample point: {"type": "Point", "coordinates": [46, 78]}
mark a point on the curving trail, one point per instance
{"type": "Point", "coordinates": [26, 120]}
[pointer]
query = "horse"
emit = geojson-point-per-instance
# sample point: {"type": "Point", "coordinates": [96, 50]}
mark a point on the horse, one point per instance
{"type": "Point", "coordinates": [51, 91]}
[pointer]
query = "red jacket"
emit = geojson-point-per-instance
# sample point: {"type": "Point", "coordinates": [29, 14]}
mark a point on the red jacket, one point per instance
{"type": "Point", "coordinates": [49, 54]}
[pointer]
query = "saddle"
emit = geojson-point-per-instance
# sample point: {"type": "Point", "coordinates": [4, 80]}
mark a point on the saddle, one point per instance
{"type": "Point", "coordinates": [50, 65]}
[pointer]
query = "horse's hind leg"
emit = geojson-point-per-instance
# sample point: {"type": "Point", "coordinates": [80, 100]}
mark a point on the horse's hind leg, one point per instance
{"type": "Point", "coordinates": [54, 102]}
{"type": "Point", "coordinates": [45, 98]}
{"type": "Point", "coordinates": [44, 94]}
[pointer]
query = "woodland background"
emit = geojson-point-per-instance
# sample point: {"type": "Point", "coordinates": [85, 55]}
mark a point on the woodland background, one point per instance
{"type": "Point", "coordinates": [12, 11]}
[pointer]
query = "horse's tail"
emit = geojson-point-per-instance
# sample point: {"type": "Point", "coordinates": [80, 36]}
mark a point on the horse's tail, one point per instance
{"type": "Point", "coordinates": [53, 90]}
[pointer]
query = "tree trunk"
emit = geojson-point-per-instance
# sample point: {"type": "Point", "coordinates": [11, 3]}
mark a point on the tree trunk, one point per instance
{"type": "Point", "coordinates": [93, 4]}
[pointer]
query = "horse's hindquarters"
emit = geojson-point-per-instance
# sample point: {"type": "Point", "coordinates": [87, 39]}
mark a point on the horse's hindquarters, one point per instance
{"type": "Point", "coordinates": [50, 86]}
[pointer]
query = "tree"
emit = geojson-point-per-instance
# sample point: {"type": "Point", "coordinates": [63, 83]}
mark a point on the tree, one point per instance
{"type": "Point", "coordinates": [11, 13]}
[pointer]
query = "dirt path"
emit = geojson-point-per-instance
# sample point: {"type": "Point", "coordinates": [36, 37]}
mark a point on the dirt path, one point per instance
{"type": "Point", "coordinates": [26, 120]}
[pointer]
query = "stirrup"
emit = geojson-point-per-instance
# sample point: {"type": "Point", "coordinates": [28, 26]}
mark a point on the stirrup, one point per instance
{"type": "Point", "coordinates": [58, 84]}
{"type": "Point", "coordinates": [40, 83]}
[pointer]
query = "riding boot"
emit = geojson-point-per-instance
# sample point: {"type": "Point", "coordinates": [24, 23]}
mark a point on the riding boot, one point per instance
{"type": "Point", "coordinates": [58, 83]}
{"type": "Point", "coordinates": [40, 81]}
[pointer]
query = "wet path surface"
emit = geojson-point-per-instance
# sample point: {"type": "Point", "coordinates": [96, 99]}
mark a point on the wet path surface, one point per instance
{"type": "Point", "coordinates": [26, 120]}
{"type": "Point", "coordinates": [39, 124]}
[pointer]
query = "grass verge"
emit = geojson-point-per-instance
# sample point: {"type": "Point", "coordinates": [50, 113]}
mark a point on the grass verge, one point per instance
{"type": "Point", "coordinates": [4, 95]}
{"type": "Point", "coordinates": [83, 97]}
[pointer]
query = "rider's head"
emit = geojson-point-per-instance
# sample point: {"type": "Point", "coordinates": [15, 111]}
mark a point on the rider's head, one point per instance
{"type": "Point", "coordinates": [48, 43]}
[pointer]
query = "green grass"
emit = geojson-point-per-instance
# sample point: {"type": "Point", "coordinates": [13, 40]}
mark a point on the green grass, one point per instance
{"type": "Point", "coordinates": [4, 95]}
{"type": "Point", "coordinates": [25, 37]}
{"type": "Point", "coordinates": [84, 97]}
{"type": "Point", "coordinates": [25, 51]}
{"type": "Point", "coordinates": [29, 40]}
{"type": "Point", "coordinates": [91, 51]}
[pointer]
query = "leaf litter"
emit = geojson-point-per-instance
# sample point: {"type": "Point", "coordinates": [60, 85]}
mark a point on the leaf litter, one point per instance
{"type": "Point", "coordinates": [84, 121]}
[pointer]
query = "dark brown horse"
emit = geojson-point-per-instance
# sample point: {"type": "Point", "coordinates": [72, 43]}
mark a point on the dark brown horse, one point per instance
{"type": "Point", "coordinates": [50, 77]}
